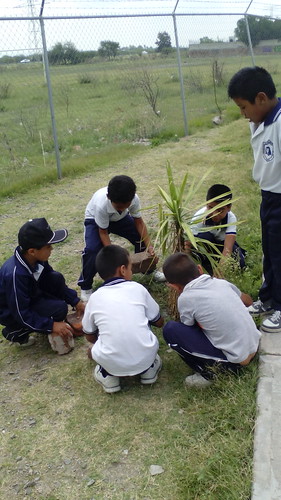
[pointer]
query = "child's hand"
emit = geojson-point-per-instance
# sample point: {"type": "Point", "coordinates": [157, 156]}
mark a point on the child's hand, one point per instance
{"type": "Point", "coordinates": [62, 329]}
{"type": "Point", "coordinates": [80, 308]}
{"type": "Point", "coordinates": [187, 246]}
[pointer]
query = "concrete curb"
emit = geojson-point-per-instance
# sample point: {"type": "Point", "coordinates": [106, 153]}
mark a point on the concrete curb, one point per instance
{"type": "Point", "coordinates": [267, 439]}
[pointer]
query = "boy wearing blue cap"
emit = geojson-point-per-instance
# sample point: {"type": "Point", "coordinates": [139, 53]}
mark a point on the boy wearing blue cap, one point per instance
{"type": "Point", "coordinates": [34, 297]}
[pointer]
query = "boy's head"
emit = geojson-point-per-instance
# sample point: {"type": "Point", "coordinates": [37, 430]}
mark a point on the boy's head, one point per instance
{"type": "Point", "coordinates": [121, 191]}
{"type": "Point", "coordinates": [254, 92]}
{"type": "Point", "coordinates": [36, 233]}
{"type": "Point", "coordinates": [222, 193]}
{"type": "Point", "coordinates": [114, 261]}
{"type": "Point", "coordinates": [179, 269]}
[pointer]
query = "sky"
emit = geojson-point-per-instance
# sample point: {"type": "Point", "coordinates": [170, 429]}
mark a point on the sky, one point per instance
{"type": "Point", "coordinates": [216, 19]}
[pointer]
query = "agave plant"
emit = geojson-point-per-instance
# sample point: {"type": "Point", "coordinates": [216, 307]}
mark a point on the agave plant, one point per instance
{"type": "Point", "coordinates": [176, 218]}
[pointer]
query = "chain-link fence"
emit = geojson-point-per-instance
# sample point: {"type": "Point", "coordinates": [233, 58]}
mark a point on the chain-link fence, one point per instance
{"type": "Point", "coordinates": [71, 85]}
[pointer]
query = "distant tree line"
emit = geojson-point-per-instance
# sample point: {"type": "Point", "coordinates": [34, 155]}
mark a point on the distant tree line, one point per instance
{"type": "Point", "coordinates": [261, 28]}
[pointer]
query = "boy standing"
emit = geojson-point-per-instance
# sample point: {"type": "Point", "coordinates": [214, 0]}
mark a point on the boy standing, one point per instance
{"type": "Point", "coordinates": [34, 297]}
{"type": "Point", "coordinates": [218, 227]}
{"type": "Point", "coordinates": [112, 209]}
{"type": "Point", "coordinates": [254, 92]}
{"type": "Point", "coordinates": [117, 319]}
{"type": "Point", "coordinates": [215, 328]}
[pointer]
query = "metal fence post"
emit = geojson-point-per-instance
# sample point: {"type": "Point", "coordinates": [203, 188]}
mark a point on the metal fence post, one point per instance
{"type": "Point", "coordinates": [50, 95]}
{"type": "Point", "coordinates": [180, 75]}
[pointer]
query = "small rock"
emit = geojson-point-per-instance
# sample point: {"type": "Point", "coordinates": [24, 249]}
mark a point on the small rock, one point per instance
{"type": "Point", "coordinates": [18, 459]}
{"type": "Point", "coordinates": [125, 452]}
{"type": "Point", "coordinates": [91, 482]}
{"type": "Point", "coordinates": [181, 412]}
{"type": "Point", "coordinates": [155, 469]}
{"type": "Point", "coordinates": [29, 484]}
{"type": "Point", "coordinates": [67, 461]}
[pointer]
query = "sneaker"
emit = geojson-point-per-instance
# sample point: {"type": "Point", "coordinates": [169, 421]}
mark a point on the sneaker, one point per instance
{"type": "Point", "coordinates": [196, 380]}
{"type": "Point", "coordinates": [273, 323]}
{"type": "Point", "coordinates": [86, 294]}
{"type": "Point", "coordinates": [110, 383]}
{"type": "Point", "coordinates": [260, 308]}
{"type": "Point", "coordinates": [31, 341]}
{"type": "Point", "coordinates": [159, 277]}
{"type": "Point", "coordinates": [151, 375]}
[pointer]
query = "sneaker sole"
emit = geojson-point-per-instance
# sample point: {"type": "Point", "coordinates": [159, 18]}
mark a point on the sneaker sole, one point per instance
{"type": "Point", "coordinates": [109, 390]}
{"type": "Point", "coordinates": [264, 313]}
{"type": "Point", "coordinates": [267, 329]}
{"type": "Point", "coordinates": [147, 381]}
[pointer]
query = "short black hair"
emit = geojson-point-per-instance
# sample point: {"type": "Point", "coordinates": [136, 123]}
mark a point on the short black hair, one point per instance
{"type": "Point", "coordinates": [121, 189]}
{"type": "Point", "coordinates": [109, 259]}
{"type": "Point", "coordinates": [180, 269]}
{"type": "Point", "coordinates": [249, 81]}
{"type": "Point", "coordinates": [220, 190]}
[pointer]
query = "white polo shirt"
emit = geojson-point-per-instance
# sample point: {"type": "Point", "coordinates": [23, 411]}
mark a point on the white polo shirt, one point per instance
{"type": "Point", "coordinates": [219, 232]}
{"type": "Point", "coordinates": [216, 306]}
{"type": "Point", "coordinates": [120, 310]}
{"type": "Point", "coordinates": [101, 210]}
{"type": "Point", "coordinates": [266, 144]}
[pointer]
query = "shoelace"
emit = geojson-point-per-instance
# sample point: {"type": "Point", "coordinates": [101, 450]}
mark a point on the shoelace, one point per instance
{"type": "Point", "coordinates": [276, 316]}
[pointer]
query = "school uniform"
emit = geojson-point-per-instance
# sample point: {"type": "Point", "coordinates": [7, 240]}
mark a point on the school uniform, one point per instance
{"type": "Point", "coordinates": [266, 144]}
{"type": "Point", "coordinates": [31, 298]}
{"type": "Point", "coordinates": [204, 228]}
{"type": "Point", "coordinates": [101, 214]}
{"type": "Point", "coordinates": [121, 311]}
{"type": "Point", "coordinates": [215, 327]}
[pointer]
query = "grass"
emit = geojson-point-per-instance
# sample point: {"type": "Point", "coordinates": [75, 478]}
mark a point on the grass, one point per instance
{"type": "Point", "coordinates": [62, 436]}
{"type": "Point", "coordinates": [107, 113]}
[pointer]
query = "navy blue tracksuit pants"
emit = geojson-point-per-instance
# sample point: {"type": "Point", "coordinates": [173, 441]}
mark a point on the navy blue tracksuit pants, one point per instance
{"type": "Point", "coordinates": [124, 227]}
{"type": "Point", "coordinates": [270, 214]}
{"type": "Point", "coordinates": [48, 303]}
{"type": "Point", "coordinates": [196, 350]}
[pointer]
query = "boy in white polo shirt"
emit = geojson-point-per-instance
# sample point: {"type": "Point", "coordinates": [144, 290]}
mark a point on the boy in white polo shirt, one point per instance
{"type": "Point", "coordinates": [117, 320]}
{"type": "Point", "coordinates": [215, 328]}
{"type": "Point", "coordinates": [112, 209]}
{"type": "Point", "coordinates": [218, 227]}
{"type": "Point", "coordinates": [254, 92]}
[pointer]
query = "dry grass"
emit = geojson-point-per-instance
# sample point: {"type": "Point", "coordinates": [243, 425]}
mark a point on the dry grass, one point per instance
{"type": "Point", "coordinates": [60, 431]}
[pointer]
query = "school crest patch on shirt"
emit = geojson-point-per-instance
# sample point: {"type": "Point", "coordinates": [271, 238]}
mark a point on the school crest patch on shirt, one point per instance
{"type": "Point", "coordinates": [268, 150]}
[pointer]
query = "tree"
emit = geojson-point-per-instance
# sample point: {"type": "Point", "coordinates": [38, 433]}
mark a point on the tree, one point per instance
{"type": "Point", "coordinates": [64, 54]}
{"type": "Point", "coordinates": [163, 42]}
{"type": "Point", "coordinates": [108, 49]}
{"type": "Point", "coordinates": [261, 28]}
{"type": "Point", "coordinates": [206, 39]}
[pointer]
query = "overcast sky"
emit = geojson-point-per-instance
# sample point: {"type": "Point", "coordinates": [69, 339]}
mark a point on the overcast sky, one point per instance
{"type": "Point", "coordinates": [24, 36]}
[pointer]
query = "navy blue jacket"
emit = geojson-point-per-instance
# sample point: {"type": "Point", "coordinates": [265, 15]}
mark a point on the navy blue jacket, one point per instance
{"type": "Point", "coordinates": [19, 289]}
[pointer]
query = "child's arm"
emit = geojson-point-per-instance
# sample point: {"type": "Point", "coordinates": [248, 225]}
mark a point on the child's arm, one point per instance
{"type": "Point", "coordinates": [158, 323]}
{"type": "Point", "coordinates": [228, 244]}
{"type": "Point", "coordinates": [104, 236]}
{"type": "Point", "coordinates": [246, 299]}
{"type": "Point", "coordinates": [142, 230]}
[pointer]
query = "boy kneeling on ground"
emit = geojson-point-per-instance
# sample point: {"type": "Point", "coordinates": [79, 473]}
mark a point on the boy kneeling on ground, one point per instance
{"type": "Point", "coordinates": [34, 297]}
{"type": "Point", "coordinates": [117, 320]}
{"type": "Point", "coordinates": [215, 328]}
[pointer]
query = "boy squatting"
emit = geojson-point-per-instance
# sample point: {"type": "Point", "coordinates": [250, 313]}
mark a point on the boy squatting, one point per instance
{"type": "Point", "coordinates": [215, 328]}
{"type": "Point", "coordinates": [117, 321]}
{"type": "Point", "coordinates": [34, 297]}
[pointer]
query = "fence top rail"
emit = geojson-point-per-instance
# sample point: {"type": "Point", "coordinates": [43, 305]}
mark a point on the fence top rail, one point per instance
{"type": "Point", "coordinates": [112, 16]}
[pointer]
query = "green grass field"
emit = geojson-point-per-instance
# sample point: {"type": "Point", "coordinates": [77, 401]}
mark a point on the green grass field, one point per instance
{"type": "Point", "coordinates": [108, 113]}
{"type": "Point", "coordinates": [63, 438]}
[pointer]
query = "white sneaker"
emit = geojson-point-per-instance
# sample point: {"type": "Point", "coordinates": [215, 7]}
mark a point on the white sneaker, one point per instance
{"type": "Point", "coordinates": [159, 277]}
{"type": "Point", "coordinates": [150, 376]}
{"type": "Point", "coordinates": [86, 294]}
{"type": "Point", "coordinates": [196, 380]}
{"type": "Point", "coordinates": [259, 308]}
{"type": "Point", "coordinates": [31, 341]}
{"type": "Point", "coordinates": [272, 323]}
{"type": "Point", "coordinates": [109, 383]}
